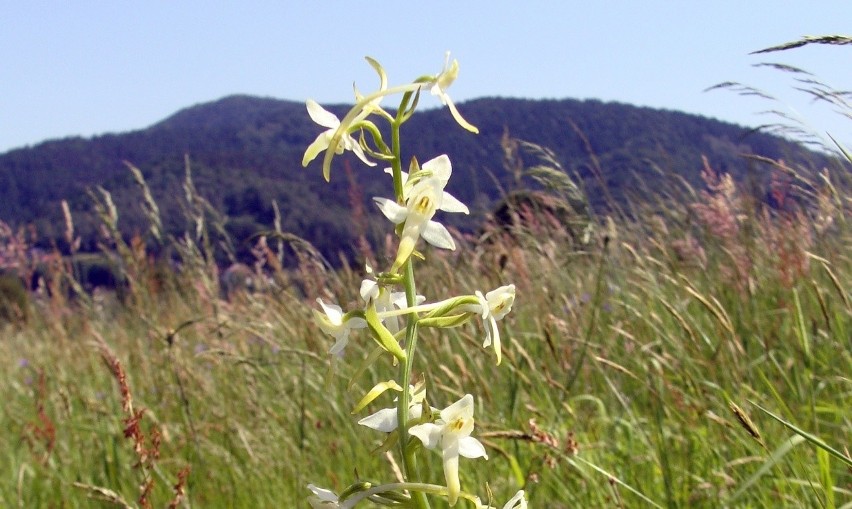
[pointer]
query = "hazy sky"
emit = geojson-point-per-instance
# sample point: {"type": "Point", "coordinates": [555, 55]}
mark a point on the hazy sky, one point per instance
{"type": "Point", "coordinates": [91, 67]}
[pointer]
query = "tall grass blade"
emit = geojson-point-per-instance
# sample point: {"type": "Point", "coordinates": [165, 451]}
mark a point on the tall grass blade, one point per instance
{"type": "Point", "coordinates": [618, 481]}
{"type": "Point", "coordinates": [770, 463]}
{"type": "Point", "coordinates": [809, 437]}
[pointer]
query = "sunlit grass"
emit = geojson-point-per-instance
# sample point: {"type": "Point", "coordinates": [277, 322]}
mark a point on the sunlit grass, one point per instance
{"type": "Point", "coordinates": [632, 376]}
{"type": "Point", "coordinates": [692, 353]}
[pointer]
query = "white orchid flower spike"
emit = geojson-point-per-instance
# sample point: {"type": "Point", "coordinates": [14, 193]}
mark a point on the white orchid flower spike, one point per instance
{"type": "Point", "coordinates": [451, 434]}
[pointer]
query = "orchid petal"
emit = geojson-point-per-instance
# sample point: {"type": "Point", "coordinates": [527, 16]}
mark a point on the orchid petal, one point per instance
{"type": "Point", "coordinates": [333, 311]}
{"type": "Point", "coordinates": [439, 88]}
{"type": "Point", "coordinates": [500, 300]}
{"type": "Point", "coordinates": [356, 323]}
{"type": "Point", "coordinates": [322, 498]}
{"type": "Point", "coordinates": [384, 420]}
{"type": "Point", "coordinates": [314, 149]}
{"type": "Point", "coordinates": [483, 304]}
{"type": "Point", "coordinates": [462, 408]}
{"type": "Point", "coordinates": [339, 345]}
{"type": "Point", "coordinates": [429, 433]}
{"type": "Point", "coordinates": [321, 115]}
{"type": "Point", "coordinates": [439, 167]}
{"type": "Point", "coordinates": [451, 472]}
{"type": "Point", "coordinates": [437, 234]}
{"type": "Point", "coordinates": [369, 290]}
{"type": "Point", "coordinates": [495, 337]}
{"type": "Point", "coordinates": [459, 119]}
{"type": "Point", "coordinates": [355, 147]}
{"type": "Point", "coordinates": [470, 447]}
{"type": "Point", "coordinates": [392, 210]}
{"type": "Point", "coordinates": [450, 203]}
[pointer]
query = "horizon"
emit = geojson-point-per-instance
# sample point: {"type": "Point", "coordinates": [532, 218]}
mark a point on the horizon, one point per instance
{"type": "Point", "coordinates": [421, 109]}
{"type": "Point", "coordinates": [91, 69]}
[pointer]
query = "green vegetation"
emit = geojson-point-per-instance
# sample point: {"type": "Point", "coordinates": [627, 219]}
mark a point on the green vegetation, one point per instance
{"type": "Point", "coordinates": [636, 364]}
{"type": "Point", "coordinates": [246, 154]}
{"type": "Point", "coordinates": [14, 300]}
{"type": "Point", "coordinates": [690, 349]}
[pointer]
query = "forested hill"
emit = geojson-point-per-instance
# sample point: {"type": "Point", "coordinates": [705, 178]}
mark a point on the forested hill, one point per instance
{"type": "Point", "coordinates": [246, 152]}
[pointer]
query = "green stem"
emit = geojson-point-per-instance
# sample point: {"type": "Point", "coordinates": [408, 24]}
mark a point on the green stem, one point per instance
{"type": "Point", "coordinates": [409, 462]}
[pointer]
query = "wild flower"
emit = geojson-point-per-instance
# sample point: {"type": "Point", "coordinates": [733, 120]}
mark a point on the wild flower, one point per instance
{"type": "Point", "coordinates": [327, 119]}
{"type": "Point", "coordinates": [336, 324]}
{"type": "Point", "coordinates": [493, 306]}
{"type": "Point", "coordinates": [451, 435]}
{"type": "Point", "coordinates": [439, 88]}
{"type": "Point", "coordinates": [385, 300]}
{"type": "Point", "coordinates": [418, 195]}
{"type": "Point", "coordinates": [720, 208]}
{"type": "Point", "coordinates": [423, 195]}
{"type": "Point", "coordinates": [385, 420]}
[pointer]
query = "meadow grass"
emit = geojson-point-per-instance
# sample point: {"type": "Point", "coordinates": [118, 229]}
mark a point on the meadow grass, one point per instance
{"type": "Point", "coordinates": [698, 356]}
{"type": "Point", "coordinates": [691, 350]}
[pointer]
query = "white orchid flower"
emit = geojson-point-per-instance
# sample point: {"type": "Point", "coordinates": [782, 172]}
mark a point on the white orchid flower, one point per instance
{"type": "Point", "coordinates": [451, 434]}
{"type": "Point", "coordinates": [334, 322]}
{"type": "Point", "coordinates": [493, 306]}
{"type": "Point", "coordinates": [322, 498]}
{"type": "Point", "coordinates": [327, 119]}
{"type": "Point", "coordinates": [439, 88]}
{"type": "Point", "coordinates": [422, 199]}
{"type": "Point", "coordinates": [386, 301]}
{"type": "Point", "coordinates": [441, 169]}
{"type": "Point", "coordinates": [386, 420]}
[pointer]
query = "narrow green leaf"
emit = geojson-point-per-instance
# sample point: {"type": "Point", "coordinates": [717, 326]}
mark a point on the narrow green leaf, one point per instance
{"type": "Point", "coordinates": [770, 462]}
{"type": "Point", "coordinates": [809, 437]}
{"type": "Point", "coordinates": [382, 335]}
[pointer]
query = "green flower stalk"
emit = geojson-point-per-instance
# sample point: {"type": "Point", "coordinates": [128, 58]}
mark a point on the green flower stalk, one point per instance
{"type": "Point", "coordinates": [393, 312]}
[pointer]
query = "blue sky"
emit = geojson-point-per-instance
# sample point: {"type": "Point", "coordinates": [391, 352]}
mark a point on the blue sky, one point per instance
{"type": "Point", "coordinates": [91, 67]}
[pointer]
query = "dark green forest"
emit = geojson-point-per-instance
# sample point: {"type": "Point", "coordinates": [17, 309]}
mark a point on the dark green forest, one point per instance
{"type": "Point", "coordinates": [245, 153]}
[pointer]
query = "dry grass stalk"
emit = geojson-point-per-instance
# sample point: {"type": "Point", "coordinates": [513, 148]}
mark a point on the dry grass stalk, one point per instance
{"type": "Point", "coordinates": [145, 446]}
{"type": "Point", "coordinates": [746, 422]}
{"type": "Point", "coordinates": [838, 40]}
{"type": "Point", "coordinates": [721, 212]}
{"type": "Point", "coordinates": [42, 430]}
